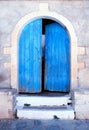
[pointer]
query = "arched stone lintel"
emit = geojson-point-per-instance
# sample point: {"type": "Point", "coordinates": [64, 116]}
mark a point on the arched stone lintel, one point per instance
{"type": "Point", "coordinates": [15, 37]}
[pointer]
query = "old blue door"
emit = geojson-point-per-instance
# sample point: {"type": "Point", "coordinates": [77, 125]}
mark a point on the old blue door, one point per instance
{"type": "Point", "coordinates": [57, 58]}
{"type": "Point", "coordinates": [30, 53]}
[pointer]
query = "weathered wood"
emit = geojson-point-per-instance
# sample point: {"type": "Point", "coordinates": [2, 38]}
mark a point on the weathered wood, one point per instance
{"type": "Point", "coordinates": [30, 53]}
{"type": "Point", "coordinates": [57, 58]}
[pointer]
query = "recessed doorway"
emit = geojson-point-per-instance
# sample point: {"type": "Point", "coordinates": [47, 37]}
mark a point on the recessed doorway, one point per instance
{"type": "Point", "coordinates": [44, 57]}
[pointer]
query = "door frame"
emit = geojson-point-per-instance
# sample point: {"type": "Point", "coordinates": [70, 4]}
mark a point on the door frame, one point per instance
{"type": "Point", "coordinates": [15, 40]}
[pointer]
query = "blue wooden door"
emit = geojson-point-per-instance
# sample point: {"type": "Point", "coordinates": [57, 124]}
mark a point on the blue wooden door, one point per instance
{"type": "Point", "coordinates": [30, 53]}
{"type": "Point", "coordinates": [57, 58]}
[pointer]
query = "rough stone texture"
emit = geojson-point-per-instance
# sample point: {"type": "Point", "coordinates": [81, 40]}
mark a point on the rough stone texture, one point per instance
{"type": "Point", "coordinates": [7, 50]}
{"type": "Point", "coordinates": [7, 103]}
{"type": "Point", "coordinates": [81, 103]}
{"type": "Point", "coordinates": [84, 78]}
{"type": "Point", "coordinates": [81, 51]}
{"type": "Point", "coordinates": [75, 11]}
{"type": "Point", "coordinates": [81, 65]}
{"type": "Point", "coordinates": [4, 77]}
{"type": "Point", "coordinates": [11, 14]}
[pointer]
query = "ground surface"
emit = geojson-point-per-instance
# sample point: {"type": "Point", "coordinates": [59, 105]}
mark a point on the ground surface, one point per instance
{"type": "Point", "coordinates": [54, 124]}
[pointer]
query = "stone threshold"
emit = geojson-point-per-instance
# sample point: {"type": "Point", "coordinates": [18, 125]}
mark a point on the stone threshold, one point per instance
{"type": "Point", "coordinates": [43, 100]}
{"type": "Point", "coordinates": [44, 107]}
{"type": "Point", "coordinates": [45, 113]}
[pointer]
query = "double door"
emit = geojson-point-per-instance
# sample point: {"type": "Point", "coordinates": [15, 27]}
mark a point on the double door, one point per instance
{"type": "Point", "coordinates": [56, 55]}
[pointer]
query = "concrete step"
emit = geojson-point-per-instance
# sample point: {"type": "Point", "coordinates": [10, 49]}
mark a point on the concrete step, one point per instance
{"type": "Point", "coordinates": [42, 100]}
{"type": "Point", "coordinates": [45, 112]}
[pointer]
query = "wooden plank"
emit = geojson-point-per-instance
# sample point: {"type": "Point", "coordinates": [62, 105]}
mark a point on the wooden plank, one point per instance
{"type": "Point", "coordinates": [57, 58]}
{"type": "Point", "coordinates": [30, 53]}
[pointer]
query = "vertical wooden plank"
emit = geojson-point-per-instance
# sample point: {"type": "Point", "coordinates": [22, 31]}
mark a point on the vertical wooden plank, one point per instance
{"type": "Point", "coordinates": [30, 53]}
{"type": "Point", "coordinates": [57, 58]}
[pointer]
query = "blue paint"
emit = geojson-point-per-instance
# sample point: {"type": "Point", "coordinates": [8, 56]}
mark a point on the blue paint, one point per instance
{"type": "Point", "coordinates": [30, 53]}
{"type": "Point", "coordinates": [57, 58]}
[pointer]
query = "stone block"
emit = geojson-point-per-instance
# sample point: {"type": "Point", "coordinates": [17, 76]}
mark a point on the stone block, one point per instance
{"type": "Point", "coordinates": [7, 50]}
{"type": "Point", "coordinates": [43, 6]}
{"type": "Point", "coordinates": [87, 50]}
{"type": "Point", "coordinates": [81, 103]}
{"type": "Point", "coordinates": [81, 91]}
{"type": "Point", "coordinates": [47, 113]}
{"type": "Point", "coordinates": [5, 77]}
{"type": "Point", "coordinates": [81, 96]}
{"type": "Point", "coordinates": [82, 114]}
{"type": "Point", "coordinates": [7, 65]}
{"type": "Point", "coordinates": [82, 107]}
{"type": "Point", "coordinates": [83, 75]}
{"type": "Point", "coordinates": [7, 103]}
{"type": "Point", "coordinates": [81, 50]}
{"type": "Point", "coordinates": [83, 58]}
{"type": "Point", "coordinates": [81, 65]}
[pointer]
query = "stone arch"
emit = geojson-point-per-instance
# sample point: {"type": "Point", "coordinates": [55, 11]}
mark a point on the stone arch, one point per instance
{"type": "Point", "coordinates": [15, 37]}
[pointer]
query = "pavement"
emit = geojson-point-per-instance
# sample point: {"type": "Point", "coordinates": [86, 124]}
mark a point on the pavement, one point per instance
{"type": "Point", "coordinates": [55, 124]}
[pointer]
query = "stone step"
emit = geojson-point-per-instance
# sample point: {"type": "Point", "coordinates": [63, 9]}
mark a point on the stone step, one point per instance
{"type": "Point", "coordinates": [42, 100]}
{"type": "Point", "coordinates": [45, 112]}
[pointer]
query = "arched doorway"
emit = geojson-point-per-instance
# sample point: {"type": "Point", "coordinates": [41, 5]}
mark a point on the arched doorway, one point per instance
{"type": "Point", "coordinates": [15, 40]}
{"type": "Point", "coordinates": [44, 57]}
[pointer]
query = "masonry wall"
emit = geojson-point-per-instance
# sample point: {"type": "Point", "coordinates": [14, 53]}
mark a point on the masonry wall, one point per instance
{"type": "Point", "coordinates": [77, 12]}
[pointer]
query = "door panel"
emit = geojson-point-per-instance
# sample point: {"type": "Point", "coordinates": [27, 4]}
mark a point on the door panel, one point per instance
{"type": "Point", "coordinates": [30, 54]}
{"type": "Point", "coordinates": [57, 58]}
